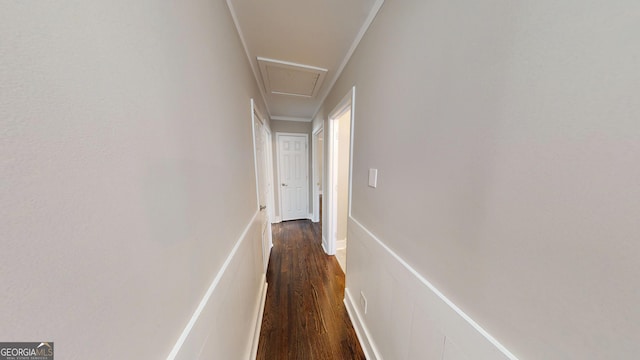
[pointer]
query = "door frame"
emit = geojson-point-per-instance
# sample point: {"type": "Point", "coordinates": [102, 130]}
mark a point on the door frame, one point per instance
{"type": "Point", "coordinates": [256, 115]}
{"type": "Point", "coordinates": [271, 193]}
{"type": "Point", "coordinates": [306, 150]}
{"type": "Point", "coordinates": [347, 102]}
{"type": "Point", "coordinates": [314, 157]}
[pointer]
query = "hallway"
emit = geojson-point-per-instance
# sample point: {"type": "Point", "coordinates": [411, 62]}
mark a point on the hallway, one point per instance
{"type": "Point", "coordinates": [494, 179]}
{"type": "Point", "coordinates": [304, 316]}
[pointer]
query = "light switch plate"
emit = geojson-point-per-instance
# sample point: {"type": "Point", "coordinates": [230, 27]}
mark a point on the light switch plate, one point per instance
{"type": "Point", "coordinates": [373, 178]}
{"type": "Point", "coordinates": [363, 302]}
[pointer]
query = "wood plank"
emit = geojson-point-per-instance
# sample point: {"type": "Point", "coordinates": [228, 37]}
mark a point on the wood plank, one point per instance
{"type": "Point", "coordinates": [304, 316]}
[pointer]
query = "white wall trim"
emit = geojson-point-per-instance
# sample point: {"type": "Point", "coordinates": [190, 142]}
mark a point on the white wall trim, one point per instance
{"type": "Point", "coordinates": [323, 245]}
{"type": "Point", "coordinates": [341, 244]}
{"type": "Point", "coordinates": [271, 210]}
{"type": "Point", "coordinates": [259, 314]}
{"type": "Point", "coordinates": [277, 219]}
{"type": "Point", "coordinates": [365, 26]}
{"type": "Point", "coordinates": [291, 118]}
{"type": "Point", "coordinates": [255, 115]}
{"type": "Point", "coordinates": [234, 17]}
{"type": "Point", "coordinates": [366, 342]}
{"type": "Point", "coordinates": [314, 158]}
{"type": "Point", "coordinates": [439, 294]}
{"type": "Point", "coordinates": [205, 299]}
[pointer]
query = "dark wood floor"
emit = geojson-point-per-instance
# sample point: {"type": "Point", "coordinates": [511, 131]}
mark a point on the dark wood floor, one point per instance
{"type": "Point", "coordinates": [304, 316]}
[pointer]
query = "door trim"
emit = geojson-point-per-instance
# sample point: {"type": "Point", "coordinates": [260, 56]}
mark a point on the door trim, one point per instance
{"type": "Point", "coordinates": [315, 217]}
{"type": "Point", "coordinates": [306, 136]}
{"type": "Point", "coordinates": [270, 196]}
{"type": "Point", "coordinates": [257, 116]}
{"type": "Point", "coordinates": [270, 192]}
{"type": "Point", "coordinates": [347, 102]}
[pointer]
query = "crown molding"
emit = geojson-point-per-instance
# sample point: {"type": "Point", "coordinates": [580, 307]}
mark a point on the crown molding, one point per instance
{"type": "Point", "coordinates": [365, 26]}
{"type": "Point", "coordinates": [254, 69]}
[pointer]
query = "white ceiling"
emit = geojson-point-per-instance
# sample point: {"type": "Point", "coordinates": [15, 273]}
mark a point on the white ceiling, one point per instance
{"type": "Point", "coordinates": [316, 34]}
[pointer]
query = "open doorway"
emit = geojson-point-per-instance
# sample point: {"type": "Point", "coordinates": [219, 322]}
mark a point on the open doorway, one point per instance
{"type": "Point", "coordinates": [339, 141]}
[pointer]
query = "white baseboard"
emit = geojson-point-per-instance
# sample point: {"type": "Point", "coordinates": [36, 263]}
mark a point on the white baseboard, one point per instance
{"type": "Point", "coordinates": [324, 246]}
{"type": "Point", "coordinates": [260, 313]}
{"type": "Point", "coordinates": [341, 244]}
{"type": "Point", "coordinates": [368, 347]}
{"type": "Point", "coordinates": [407, 316]}
{"type": "Point", "coordinates": [277, 219]}
{"type": "Point", "coordinates": [234, 296]}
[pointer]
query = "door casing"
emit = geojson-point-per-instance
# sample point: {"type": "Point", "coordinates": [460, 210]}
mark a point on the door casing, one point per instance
{"type": "Point", "coordinates": [317, 177]}
{"type": "Point", "coordinates": [347, 103]}
{"type": "Point", "coordinates": [261, 167]}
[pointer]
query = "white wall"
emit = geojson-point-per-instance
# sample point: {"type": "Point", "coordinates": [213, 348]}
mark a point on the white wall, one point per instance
{"type": "Point", "coordinates": [507, 141]}
{"type": "Point", "coordinates": [127, 174]}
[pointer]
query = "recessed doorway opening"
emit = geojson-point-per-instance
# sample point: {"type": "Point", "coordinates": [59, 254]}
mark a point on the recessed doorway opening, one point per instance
{"type": "Point", "coordinates": [339, 140]}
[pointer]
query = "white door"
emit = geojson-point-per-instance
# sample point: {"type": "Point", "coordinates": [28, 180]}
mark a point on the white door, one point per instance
{"type": "Point", "coordinates": [261, 148]}
{"type": "Point", "coordinates": [294, 181]}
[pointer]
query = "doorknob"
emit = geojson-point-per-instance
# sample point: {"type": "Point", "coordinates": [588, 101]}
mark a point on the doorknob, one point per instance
{"type": "Point", "coordinates": [262, 207]}
{"type": "Point", "coordinates": [283, 184]}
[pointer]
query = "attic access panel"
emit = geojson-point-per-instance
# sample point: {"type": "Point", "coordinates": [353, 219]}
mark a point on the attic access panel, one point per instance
{"type": "Point", "coordinates": [286, 78]}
